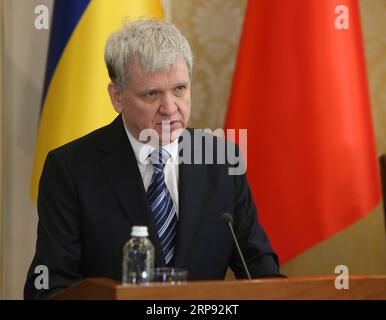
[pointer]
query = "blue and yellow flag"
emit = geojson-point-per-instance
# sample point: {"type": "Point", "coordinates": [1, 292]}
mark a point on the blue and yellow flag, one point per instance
{"type": "Point", "coordinates": [75, 98]}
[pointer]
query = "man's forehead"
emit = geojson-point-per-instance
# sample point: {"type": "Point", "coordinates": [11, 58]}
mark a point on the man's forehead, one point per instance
{"type": "Point", "coordinates": [177, 71]}
{"type": "Point", "coordinates": [137, 65]}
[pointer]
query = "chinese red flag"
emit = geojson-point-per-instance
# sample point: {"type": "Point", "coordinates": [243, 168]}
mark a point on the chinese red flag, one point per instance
{"type": "Point", "coordinates": [300, 89]}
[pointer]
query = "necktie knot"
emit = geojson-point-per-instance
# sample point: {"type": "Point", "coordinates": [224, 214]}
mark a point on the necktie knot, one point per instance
{"type": "Point", "coordinates": [158, 158]}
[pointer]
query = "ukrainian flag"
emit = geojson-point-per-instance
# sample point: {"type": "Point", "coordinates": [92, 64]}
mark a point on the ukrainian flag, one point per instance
{"type": "Point", "coordinates": [75, 99]}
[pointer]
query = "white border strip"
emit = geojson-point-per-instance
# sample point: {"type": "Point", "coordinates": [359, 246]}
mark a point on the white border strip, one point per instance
{"type": "Point", "coordinates": [167, 9]}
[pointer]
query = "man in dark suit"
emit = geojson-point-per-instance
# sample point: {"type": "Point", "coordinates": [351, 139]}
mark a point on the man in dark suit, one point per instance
{"type": "Point", "coordinates": [94, 189]}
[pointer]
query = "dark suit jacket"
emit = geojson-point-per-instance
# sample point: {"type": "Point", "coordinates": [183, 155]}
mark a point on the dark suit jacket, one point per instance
{"type": "Point", "coordinates": [91, 193]}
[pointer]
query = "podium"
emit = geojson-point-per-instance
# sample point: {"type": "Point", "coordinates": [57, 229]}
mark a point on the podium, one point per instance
{"type": "Point", "coordinates": [360, 287]}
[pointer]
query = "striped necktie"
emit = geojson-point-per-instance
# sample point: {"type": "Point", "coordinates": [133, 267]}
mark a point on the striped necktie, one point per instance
{"type": "Point", "coordinates": [161, 204]}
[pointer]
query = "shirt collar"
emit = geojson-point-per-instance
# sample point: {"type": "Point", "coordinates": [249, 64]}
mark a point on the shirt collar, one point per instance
{"type": "Point", "coordinates": [142, 150]}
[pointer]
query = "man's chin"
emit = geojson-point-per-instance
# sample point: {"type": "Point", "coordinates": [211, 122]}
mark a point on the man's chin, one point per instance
{"type": "Point", "coordinates": [174, 134]}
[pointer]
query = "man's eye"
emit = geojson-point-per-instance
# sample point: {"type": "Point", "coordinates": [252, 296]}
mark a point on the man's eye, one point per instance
{"type": "Point", "coordinates": [180, 90]}
{"type": "Point", "coordinates": [150, 93]}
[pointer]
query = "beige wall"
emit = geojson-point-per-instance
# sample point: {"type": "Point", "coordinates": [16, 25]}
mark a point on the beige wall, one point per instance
{"type": "Point", "coordinates": [25, 54]}
{"type": "Point", "coordinates": [213, 28]}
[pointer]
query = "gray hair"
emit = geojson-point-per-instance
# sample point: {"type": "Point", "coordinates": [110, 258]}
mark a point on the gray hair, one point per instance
{"type": "Point", "coordinates": [156, 43]}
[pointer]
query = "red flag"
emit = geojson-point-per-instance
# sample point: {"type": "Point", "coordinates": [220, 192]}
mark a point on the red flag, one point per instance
{"type": "Point", "coordinates": [300, 89]}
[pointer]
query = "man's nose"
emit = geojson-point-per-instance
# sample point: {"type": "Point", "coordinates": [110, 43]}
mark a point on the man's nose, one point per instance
{"type": "Point", "coordinates": [168, 104]}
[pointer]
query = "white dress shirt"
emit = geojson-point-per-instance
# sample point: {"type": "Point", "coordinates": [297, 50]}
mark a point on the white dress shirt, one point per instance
{"type": "Point", "coordinates": [146, 169]}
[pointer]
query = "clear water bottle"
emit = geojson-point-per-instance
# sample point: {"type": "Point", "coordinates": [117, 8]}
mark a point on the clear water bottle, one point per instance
{"type": "Point", "coordinates": [138, 257]}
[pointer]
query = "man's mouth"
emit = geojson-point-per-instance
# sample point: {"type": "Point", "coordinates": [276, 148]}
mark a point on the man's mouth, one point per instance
{"type": "Point", "coordinates": [172, 123]}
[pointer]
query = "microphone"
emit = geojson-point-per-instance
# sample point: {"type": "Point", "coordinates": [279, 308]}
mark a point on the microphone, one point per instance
{"type": "Point", "coordinates": [228, 219]}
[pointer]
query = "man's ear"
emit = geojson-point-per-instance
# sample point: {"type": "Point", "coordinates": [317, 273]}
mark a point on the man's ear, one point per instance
{"type": "Point", "coordinates": [115, 94]}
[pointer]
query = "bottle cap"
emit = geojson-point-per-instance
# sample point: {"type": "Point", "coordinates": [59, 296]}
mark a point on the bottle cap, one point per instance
{"type": "Point", "coordinates": [139, 231]}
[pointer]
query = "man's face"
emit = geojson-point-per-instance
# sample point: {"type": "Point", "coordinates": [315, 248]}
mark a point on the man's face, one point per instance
{"type": "Point", "coordinates": [149, 100]}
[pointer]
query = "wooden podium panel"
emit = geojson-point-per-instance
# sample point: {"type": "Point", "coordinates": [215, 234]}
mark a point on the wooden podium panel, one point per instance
{"type": "Point", "coordinates": [360, 287]}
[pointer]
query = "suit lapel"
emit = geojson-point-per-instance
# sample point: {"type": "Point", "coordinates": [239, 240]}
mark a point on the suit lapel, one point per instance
{"type": "Point", "coordinates": [121, 169]}
{"type": "Point", "coordinates": [190, 201]}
